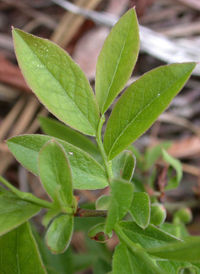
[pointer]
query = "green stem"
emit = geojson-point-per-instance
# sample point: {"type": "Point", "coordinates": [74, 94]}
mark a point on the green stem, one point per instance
{"type": "Point", "coordinates": [108, 164]}
{"type": "Point", "coordinates": [26, 196]}
{"type": "Point", "coordinates": [81, 212]}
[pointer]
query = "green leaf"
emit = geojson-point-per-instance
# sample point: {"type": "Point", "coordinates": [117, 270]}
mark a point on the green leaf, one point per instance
{"type": "Point", "coordinates": [101, 266]}
{"type": "Point", "coordinates": [120, 200]}
{"type": "Point", "coordinates": [117, 59]}
{"type": "Point", "coordinates": [19, 253]}
{"type": "Point", "coordinates": [103, 202]}
{"type": "Point", "coordinates": [175, 267]}
{"type": "Point", "coordinates": [141, 104]}
{"type": "Point", "coordinates": [158, 214]}
{"type": "Point", "coordinates": [59, 234]}
{"type": "Point", "coordinates": [140, 209]}
{"type": "Point", "coordinates": [97, 231]}
{"type": "Point", "coordinates": [188, 251]}
{"type": "Point", "coordinates": [174, 164]}
{"type": "Point", "coordinates": [54, 171]}
{"type": "Point", "coordinates": [125, 262]}
{"type": "Point", "coordinates": [86, 172]}
{"type": "Point", "coordinates": [124, 165]}
{"type": "Point", "coordinates": [150, 237]}
{"type": "Point", "coordinates": [58, 82]}
{"type": "Point", "coordinates": [178, 230]}
{"type": "Point", "coordinates": [58, 130]}
{"type": "Point", "coordinates": [14, 211]}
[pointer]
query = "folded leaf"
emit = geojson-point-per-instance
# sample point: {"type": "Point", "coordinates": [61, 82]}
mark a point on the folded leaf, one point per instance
{"type": "Point", "coordinates": [140, 209]}
{"type": "Point", "coordinates": [98, 234]}
{"type": "Point", "coordinates": [58, 130]}
{"type": "Point", "coordinates": [55, 171]}
{"type": "Point", "coordinates": [86, 172]}
{"type": "Point", "coordinates": [58, 82]}
{"type": "Point", "coordinates": [124, 165]}
{"type": "Point", "coordinates": [125, 261]}
{"type": "Point", "coordinates": [120, 200]}
{"type": "Point", "coordinates": [142, 103]}
{"type": "Point", "coordinates": [59, 234]}
{"type": "Point", "coordinates": [117, 59]}
{"type": "Point", "coordinates": [188, 251]}
{"type": "Point", "coordinates": [14, 211]}
{"type": "Point", "coordinates": [151, 236]}
{"type": "Point", "coordinates": [19, 253]}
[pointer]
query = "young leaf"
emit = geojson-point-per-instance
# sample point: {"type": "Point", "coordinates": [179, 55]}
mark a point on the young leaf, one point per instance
{"type": "Point", "coordinates": [59, 234]}
{"type": "Point", "coordinates": [120, 200]}
{"type": "Point", "coordinates": [140, 209]}
{"type": "Point", "coordinates": [176, 164]}
{"type": "Point", "coordinates": [97, 231]}
{"type": "Point", "coordinates": [124, 165]}
{"type": "Point", "coordinates": [86, 172]}
{"type": "Point", "coordinates": [58, 130]}
{"type": "Point", "coordinates": [141, 104]}
{"type": "Point", "coordinates": [14, 211]}
{"type": "Point", "coordinates": [188, 251]}
{"type": "Point", "coordinates": [19, 253]}
{"type": "Point", "coordinates": [57, 81]}
{"type": "Point", "coordinates": [150, 237]}
{"type": "Point", "coordinates": [158, 214]}
{"type": "Point", "coordinates": [117, 59]}
{"type": "Point", "coordinates": [103, 202]}
{"type": "Point", "coordinates": [125, 261]}
{"type": "Point", "coordinates": [54, 171]}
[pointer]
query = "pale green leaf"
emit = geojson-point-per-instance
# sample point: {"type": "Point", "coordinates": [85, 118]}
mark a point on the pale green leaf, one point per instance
{"type": "Point", "coordinates": [158, 214]}
{"type": "Point", "coordinates": [124, 165]}
{"type": "Point", "coordinates": [149, 237]}
{"type": "Point", "coordinates": [117, 59]}
{"type": "Point", "coordinates": [140, 209]}
{"type": "Point", "coordinates": [176, 165]}
{"type": "Point", "coordinates": [86, 172]}
{"type": "Point", "coordinates": [142, 103]}
{"type": "Point", "coordinates": [103, 202]}
{"type": "Point", "coordinates": [19, 253]}
{"type": "Point", "coordinates": [58, 130]}
{"type": "Point", "coordinates": [120, 200]}
{"type": "Point", "coordinates": [55, 171]}
{"type": "Point", "coordinates": [127, 262]}
{"type": "Point", "coordinates": [188, 251]}
{"type": "Point", "coordinates": [14, 211]}
{"type": "Point", "coordinates": [59, 234]}
{"type": "Point", "coordinates": [57, 81]}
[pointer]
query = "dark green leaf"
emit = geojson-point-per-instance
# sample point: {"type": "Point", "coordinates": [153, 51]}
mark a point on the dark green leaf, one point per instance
{"type": "Point", "coordinates": [174, 164]}
{"type": "Point", "coordinates": [57, 81]}
{"type": "Point", "coordinates": [59, 234]}
{"type": "Point", "coordinates": [19, 253]}
{"type": "Point", "coordinates": [101, 267]}
{"type": "Point", "coordinates": [124, 165]}
{"type": "Point", "coordinates": [188, 251]}
{"type": "Point", "coordinates": [58, 130]}
{"type": "Point", "coordinates": [55, 171]}
{"type": "Point", "coordinates": [14, 211]}
{"type": "Point", "coordinates": [117, 59]}
{"type": "Point", "coordinates": [140, 209]}
{"type": "Point", "coordinates": [120, 200]}
{"type": "Point", "coordinates": [150, 237]}
{"type": "Point", "coordinates": [141, 104]}
{"type": "Point", "coordinates": [86, 172]}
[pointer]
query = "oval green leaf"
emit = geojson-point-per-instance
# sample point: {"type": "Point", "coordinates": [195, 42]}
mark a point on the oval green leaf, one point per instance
{"type": "Point", "coordinates": [142, 103]}
{"type": "Point", "coordinates": [59, 234]}
{"type": "Point", "coordinates": [117, 59]}
{"type": "Point", "coordinates": [140, 209]}
{"type": "Point", "coordinates": [103, 202]}
{"type": "Point", "coordinates": [86, 172]}
{"type": "Point", "coordinates": [55, 171]}
{"type": "Point", "coordinates": [19, 253]}
{"type": "Point", "coordinates": [14, 211]}
{"type": "Point", "coordinates": [57, 81]}
{"type": "Point", "coordinates": [120, 200]}
{"type": "Point", "coordinates": [58, 130]}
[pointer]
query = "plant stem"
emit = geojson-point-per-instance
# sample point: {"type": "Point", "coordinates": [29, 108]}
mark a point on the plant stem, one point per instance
{"type": "Point", "coordinates": [26, 196]}
{"type": "Point", "coordinates": [108, 164]}
{"type": "Point", "coordinates": [81, 212]}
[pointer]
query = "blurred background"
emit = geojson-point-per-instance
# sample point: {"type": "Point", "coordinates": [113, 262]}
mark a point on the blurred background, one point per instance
{"type": "Point", "coordinates": [170, 32]}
